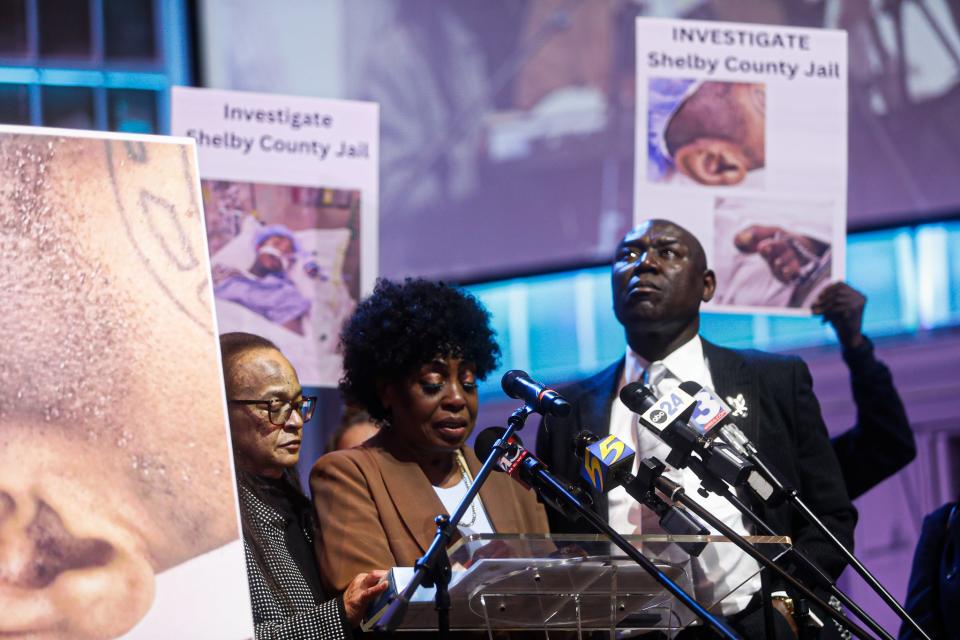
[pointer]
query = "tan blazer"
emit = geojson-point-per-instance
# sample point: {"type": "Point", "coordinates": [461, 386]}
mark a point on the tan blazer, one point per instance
{"type": "Point", "coordinates": [375, 511]}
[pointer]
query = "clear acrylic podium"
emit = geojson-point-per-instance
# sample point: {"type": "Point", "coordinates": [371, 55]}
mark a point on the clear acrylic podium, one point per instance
{"type": "Point", "coordinates": [579, 583]}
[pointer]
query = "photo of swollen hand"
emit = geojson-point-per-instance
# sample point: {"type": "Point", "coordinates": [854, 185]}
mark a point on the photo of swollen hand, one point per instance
{"type": "Point", "coordinates": [771, 253]}
{"type": "Point", "coordinates": [790, 256]}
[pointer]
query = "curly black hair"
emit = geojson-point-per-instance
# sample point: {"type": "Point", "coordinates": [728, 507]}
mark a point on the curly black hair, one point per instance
{"type": "Point", "coordinates": [403, 326]}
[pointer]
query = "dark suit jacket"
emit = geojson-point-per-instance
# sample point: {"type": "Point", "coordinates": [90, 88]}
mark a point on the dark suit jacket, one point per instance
{"type": "Point", "coordinates": [376, 511]}
{"type": "Point", "coordinates": [783, 420]}
{"type": "Point", "coordinates": [933, 594]}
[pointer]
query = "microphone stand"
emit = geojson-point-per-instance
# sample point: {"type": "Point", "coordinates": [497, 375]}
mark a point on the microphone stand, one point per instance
{"type": "Point", "coordinates": [681, 447]}
{"type": "Point", "coordinates": [652, 469]}
{"type": "Point", "coordinates": [804, 564]}
{"type": "Point", "coordinates": [433, 568]}
{"type": "Point", "coordinates": [674, 520]}
{"type": "Point", "coordinates": [544, 481]}
{"type": "Point", "coordinates": [793, 497]}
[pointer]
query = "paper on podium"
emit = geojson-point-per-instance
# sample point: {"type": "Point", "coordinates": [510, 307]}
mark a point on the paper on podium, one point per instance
{"type": "Point", "coordinates": [513, 582]}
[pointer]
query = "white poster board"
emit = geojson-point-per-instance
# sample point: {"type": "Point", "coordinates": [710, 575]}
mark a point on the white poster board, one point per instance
{"type": "Point", "coordinates": [290, 194]}
{"type": "Point", "coordinates": [742, 139]}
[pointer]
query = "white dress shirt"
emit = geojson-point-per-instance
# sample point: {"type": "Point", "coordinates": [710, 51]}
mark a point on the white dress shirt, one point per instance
{"type": "Point", "coordinates": [721, 568]}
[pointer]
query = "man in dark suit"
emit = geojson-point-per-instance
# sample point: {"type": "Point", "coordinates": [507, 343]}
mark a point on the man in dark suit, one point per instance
{"type": "Point", "coordinates": [660, 278]}
{"type": "Point", "coordinates": [934, 590]}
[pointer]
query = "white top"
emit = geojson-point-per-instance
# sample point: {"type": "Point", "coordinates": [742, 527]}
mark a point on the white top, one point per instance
{"type": "Point", "coordinates": [713, 573]}
{"type": "Point", "coordinates": [451, 499]}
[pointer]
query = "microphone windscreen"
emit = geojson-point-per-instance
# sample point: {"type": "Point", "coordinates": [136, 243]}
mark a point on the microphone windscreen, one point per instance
{"type": "Point", "coordinates": [631, 388]}
{"type": "Point", "coordinates": [637, 397]}
{"type": "Point", "coordinates": [507, 381]}
{"type": "Point", "coordinates": [483, 445]}
{"type": "Point", "coordinates": [691, 387]}
{"type": "Point", "coordinates": [583, 440]}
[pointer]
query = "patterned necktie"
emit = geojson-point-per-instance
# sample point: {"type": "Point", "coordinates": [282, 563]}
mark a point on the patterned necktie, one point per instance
{"type": "Point", "coordinates": [659, 378]}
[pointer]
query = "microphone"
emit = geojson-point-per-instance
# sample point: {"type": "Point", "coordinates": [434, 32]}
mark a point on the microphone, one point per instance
{"type": "Point", "coordinates": [672, 418]}
{"type": "Point", "coordinates": [604, 460]}
{"type": "Point", "coordinates": [707, 409]}
{"type": "Point", "coordinates": [607, 463]}
{"type": "Point", "coordinates": [544, 400]}
{"type": "Point", "coordinates": [668, 417]}
{"type": "Point", "coordinates": [523, 466]}
{"type": "Point", "coordinates": [713, 415]}
{"type": "Point", "coordinates": [514, 454]}
{"type": "Point", "coordinates": [658, 414]}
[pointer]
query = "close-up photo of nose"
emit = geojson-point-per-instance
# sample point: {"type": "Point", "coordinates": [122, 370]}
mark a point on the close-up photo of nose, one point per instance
{"type": "Point", "coordinates": [58, 580]}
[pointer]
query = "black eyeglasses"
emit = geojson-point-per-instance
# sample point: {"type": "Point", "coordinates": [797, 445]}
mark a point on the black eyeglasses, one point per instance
{"type": "Point", "coordinates": [280, 411]}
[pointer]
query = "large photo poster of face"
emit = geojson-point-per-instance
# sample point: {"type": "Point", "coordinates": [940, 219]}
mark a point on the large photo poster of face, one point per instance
{"type": "Point", "coordinates": [117, 503]}
{"type": "Point", "coordinates": [286, 264]}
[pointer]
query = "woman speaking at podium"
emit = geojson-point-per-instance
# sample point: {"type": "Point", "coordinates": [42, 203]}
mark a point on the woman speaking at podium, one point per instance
{"type": "Point", "coordinates": [412, 355]}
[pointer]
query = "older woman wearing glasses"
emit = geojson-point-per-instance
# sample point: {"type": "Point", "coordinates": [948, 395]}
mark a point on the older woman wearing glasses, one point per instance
{"type": "Point", "coordinates": [267, 411]}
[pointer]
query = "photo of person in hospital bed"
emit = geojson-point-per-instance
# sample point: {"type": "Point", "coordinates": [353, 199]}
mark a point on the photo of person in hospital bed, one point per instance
{"type": "Point", "coordinates": [266, 288]}
{"type": "Point", "coordinates": [285, 263]}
